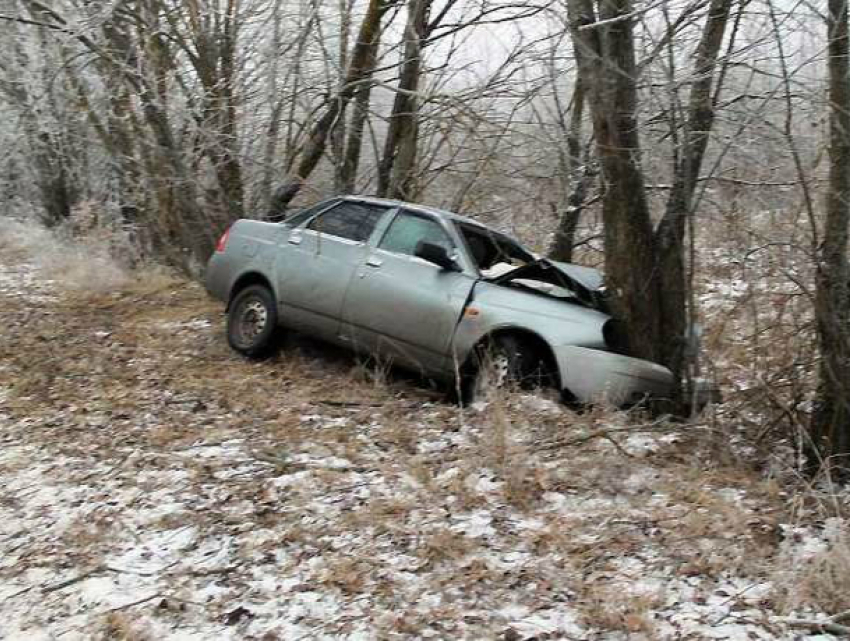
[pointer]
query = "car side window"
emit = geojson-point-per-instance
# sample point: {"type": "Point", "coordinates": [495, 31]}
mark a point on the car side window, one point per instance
{"type": "Point", "coordinates": [299, 217]}
{"type": "Point", "coordinates": [354, 221]}
{"type": "Point", "coordinates": [408, 230]}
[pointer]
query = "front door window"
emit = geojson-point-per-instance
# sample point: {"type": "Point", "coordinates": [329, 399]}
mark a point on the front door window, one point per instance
{"type": "Point", "coordinates": [408, 230]}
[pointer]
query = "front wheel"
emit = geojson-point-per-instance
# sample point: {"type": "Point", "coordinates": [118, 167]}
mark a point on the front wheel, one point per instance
{"type": "Point", "coordinates": [252, 322]}
{"type": "Point", "coordinates": [502, 364]}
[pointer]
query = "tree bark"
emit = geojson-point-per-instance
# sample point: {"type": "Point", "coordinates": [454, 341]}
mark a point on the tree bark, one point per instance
{"type": "Point", "coordinates": [606, 63]}
{"type": "Point", "coordinates": [360, 113]}
{"type": "Point", "coordinates": [830, 426]}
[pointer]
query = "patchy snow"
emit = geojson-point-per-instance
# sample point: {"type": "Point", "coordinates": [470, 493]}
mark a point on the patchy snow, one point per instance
{"type": "Point", "coordinates": [152, 482]}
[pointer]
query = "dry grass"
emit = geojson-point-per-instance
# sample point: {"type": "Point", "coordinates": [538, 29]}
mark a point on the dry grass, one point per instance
{"type": "Point", "coordinates": [118, 626]}
{"type": "Point", "coordinates": [85, 263]}
{"type": "Point", "coordinates": [617, 610]}
{"type": "Point", "coordinates": [812, 568]}
{"type": "Point", "coordinates": [446, 545]}
{"type": "Point", "coordinates": [342, 470]}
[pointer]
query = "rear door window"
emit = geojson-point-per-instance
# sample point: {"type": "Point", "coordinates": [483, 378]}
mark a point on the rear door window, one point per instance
{"type": "Point", "coordinates": [299, 217]}
{"type": "Point", "coordinates": [352, 221]}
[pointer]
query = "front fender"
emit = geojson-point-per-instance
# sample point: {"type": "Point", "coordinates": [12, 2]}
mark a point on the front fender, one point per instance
{"type": "Point", "coordinates": [496, 308]}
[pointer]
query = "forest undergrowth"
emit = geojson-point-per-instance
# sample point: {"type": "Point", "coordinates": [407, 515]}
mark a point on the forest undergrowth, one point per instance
{"type": "Point", "coordinates": [155, 484]}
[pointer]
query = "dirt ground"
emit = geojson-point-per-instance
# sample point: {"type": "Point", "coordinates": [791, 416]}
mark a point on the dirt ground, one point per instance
{"type": "Point", "coordinates": [154, 485]}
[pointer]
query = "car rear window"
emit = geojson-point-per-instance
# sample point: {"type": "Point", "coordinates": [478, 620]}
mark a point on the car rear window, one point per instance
{"type": "Point", "coordinates": [354, 221]}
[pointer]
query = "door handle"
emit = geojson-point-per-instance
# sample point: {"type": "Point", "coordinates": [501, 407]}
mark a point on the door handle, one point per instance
{"type": "Point", "coordinates": [374, 262]}
{"type": "Point", "coordinates": [295, 239]}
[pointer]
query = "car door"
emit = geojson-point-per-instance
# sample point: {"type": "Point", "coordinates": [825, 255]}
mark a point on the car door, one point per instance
{"type": "Point", "coordinates": [316, 264]}
{"type": "Point", "coordinates": [404, 307]}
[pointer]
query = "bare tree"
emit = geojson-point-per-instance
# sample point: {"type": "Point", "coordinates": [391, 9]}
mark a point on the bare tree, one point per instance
{"type": "Point", "coordinates": [645, 268]}
{"type": "Point", "coordinates": [396, 169]}
{"type": "Point", "coordinates": [575, 168]}
{"type": "Point", "coordinates": [670, 235]}
{"type": "Point", "coordinates": [360, 69]}
{"type": "Point", "coordinates": [830, 426]}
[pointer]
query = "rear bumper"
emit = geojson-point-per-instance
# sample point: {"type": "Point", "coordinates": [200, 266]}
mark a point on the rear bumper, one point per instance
{"type": "Point", "coordinates": [593, 375]}
{"type": "Point", "coordinates": [217, 277]}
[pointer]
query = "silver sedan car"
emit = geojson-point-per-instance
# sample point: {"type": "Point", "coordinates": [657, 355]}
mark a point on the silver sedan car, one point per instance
{"type": "Point", "coordinates": [431, 291]}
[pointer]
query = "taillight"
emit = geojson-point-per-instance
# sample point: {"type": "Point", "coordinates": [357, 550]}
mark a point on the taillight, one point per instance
{"type": "Point", "coordinates": [222, 242]}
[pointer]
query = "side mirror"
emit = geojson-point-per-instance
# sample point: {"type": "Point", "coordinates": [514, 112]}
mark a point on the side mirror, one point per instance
{"type": "Point", "coordinates": [436, 254]}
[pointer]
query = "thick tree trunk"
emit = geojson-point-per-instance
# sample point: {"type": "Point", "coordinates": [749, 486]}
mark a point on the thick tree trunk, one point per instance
{"type": "Point", "coordinates": [358, 71]}
{"type": "Point", "coordinates": [338, 134]}
{"type": "Point", "coordinates": [645, 270]}
{"type": "Point", "coordinates": [606, 62]}
{"type": "Point", "coordinates": [179, 222]}
{"type": "Point", "coordinates": [118, 138]}
{"type": "Point", "coordinates": [397, 168]}
{"type": "Point", "coordinates": [211, 50]}
{"type": "Point", "coordinates": [830, 427]}
{"type": "Point", "coordinates": [354, 145]}
{"type": "Point", "coordinates": [58, 194]}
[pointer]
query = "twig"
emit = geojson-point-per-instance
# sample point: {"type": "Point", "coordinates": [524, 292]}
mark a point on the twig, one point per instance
{"type": "Point", "coordinates": [18, 593]}
{"type": "Point", "coordinates": [108, 473]}
{"type": "Point", "coordinates": [280, 463]}
{"type": "Point", "coordinates": [407, 406]}
{"type": "Point", "coordinates": [47, 589]}
{"type": "Point", "coordinates": [108, 568]}
{"type": "Point", "coordinates": [817, 626]}
{"type": "Point", "coordinates": [82, 577]}
{"type": "Point", "coordinates": [619, 447]}
{"type": "Point", "coordinates": [732, 598]}
{"type": "Point", "coordinates": [648, 521]}
{"type": "Point", "coordinates": [147, 599]}
{"type": "Point", "coordinates": [346, 403]}
{"type": "Point", "coordinates": [604, 433]}
{"type": "Point", "coordinates": [135, 603]}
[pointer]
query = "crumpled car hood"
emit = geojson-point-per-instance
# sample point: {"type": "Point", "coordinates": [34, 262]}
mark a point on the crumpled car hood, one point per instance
{"type": "Point", "coordinates": [584, 282]}
{"type": "Point", "coordinates": [590, 278]}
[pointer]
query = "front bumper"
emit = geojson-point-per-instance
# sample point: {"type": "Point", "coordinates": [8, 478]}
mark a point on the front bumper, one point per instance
{"type": "Point", "coordinates": [593, 376]}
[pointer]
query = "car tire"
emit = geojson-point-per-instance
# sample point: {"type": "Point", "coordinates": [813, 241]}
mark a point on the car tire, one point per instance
{"type": "Point", "coordinates": [500, 364]}
{"type": "Point", "coordinates": [252, 327]}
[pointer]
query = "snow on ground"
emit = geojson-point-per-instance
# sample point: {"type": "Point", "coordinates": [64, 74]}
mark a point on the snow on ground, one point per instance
{"type": "Point", "coordinates": [154, 485]}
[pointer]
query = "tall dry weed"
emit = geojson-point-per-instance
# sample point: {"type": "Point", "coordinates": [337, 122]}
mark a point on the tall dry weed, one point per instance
{"type": "Point", "coordinates": [813, 568]}
{"type": "Point", "coordinates": [89, 253]}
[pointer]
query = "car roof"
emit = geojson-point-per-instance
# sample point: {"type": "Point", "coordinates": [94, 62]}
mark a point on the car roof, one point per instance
{"type": "Point", "coordinates": [425, 209]}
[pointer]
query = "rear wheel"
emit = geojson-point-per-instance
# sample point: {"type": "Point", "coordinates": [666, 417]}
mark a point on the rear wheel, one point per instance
{"type": "Point", "coordinates": [252, 322]}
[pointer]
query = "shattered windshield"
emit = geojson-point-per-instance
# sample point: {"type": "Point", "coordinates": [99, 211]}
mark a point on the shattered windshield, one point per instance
{"type": "Point", "coordinates": [494, 254]}
{"type": "Point", "coordinates": [502, 260]}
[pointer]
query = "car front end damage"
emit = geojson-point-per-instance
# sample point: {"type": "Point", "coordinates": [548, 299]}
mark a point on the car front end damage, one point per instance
{"type": "Point", "coordinates": [564, 307]}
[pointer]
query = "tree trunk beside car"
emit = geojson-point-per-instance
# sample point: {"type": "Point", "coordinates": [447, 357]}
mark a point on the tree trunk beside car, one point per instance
{"type": "Point", "coordinates": [830, 425]}
{"type": "Point", "coordinates": [645, 267]}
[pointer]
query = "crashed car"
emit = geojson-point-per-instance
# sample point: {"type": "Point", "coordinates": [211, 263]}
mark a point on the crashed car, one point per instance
{"type": "Point", "coordinates": [430, 291]}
